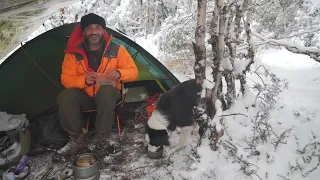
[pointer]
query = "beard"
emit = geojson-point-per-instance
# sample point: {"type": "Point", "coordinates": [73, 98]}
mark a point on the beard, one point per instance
{"type": "Point", "coordinates": [94, 39]}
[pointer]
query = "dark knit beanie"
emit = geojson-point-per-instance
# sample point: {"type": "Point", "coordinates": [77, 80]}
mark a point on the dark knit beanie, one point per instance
{"type": "Point", "coordinates": [92, 18]}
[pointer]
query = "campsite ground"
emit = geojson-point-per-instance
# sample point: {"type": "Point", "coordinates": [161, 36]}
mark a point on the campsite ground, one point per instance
{"type": "Point", "coordinates": [296, 110]}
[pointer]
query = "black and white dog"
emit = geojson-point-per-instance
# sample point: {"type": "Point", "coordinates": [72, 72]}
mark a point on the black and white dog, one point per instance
{"type": "Point", "coordinates": [174, 109]}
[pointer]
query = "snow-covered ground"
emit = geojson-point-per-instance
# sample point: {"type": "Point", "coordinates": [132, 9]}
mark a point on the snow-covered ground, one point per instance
{"type": "Point", "coordinates": [291, 149]}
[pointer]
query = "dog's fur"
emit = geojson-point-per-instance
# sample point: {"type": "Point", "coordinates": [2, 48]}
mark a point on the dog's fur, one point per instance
{"type": "Point", "coordinates": [174, 109]}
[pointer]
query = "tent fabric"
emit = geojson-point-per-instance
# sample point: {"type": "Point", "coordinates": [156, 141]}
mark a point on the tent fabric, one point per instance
{"type": "Point", "coordinates": [30, 77]}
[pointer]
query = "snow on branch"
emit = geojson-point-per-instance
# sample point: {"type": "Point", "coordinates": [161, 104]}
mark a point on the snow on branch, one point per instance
{"type": "Point", "coordinates": [313, 52]}
{"type": "Point", "coordinates": [302, 33]}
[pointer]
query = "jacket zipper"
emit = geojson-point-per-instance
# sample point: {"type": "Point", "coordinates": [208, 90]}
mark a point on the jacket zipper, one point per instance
{"type": "Point", "coordinates": [94, 84]}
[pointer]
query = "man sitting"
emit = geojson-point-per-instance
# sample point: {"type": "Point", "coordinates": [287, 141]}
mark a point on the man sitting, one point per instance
{"type": "Point", "coordinates": [90, 55]}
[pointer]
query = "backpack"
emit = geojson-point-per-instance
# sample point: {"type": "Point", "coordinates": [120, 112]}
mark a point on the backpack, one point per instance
{"type": "Point", "coordinates": [144, 112]}
{"type": "Point", "coordinates": [15, 138]}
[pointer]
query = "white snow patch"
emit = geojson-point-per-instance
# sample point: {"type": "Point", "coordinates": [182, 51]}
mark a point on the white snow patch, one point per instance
{"type": "Point", "coordinates": [249, 98]}
{"type": "Point", "coordinates": [148, 45]}
{"type": "Point", "coordinates": [203, 92]}
{"type": "Point", "coordinates": [207, 84]}
{"type": "Point", "coordinates": [181, 77]}
{"type": "Point", "coordinates": [226, 64]}
{"type": "Point", "coordinates": [240, 65]}
{"type": "Point", "coordinates": [216, 119]}
{"type": "Point", "coordinates": [288, 60]}
{"type": "Point", "coordinates": [209, 72]}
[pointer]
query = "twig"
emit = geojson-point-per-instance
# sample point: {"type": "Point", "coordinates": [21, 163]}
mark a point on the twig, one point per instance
{"type": "Point", "coordinates": [260, 78]}
{"type": "Point", "coordinates": [263, 99]}
{"type": "Point", "coordinates": [182, 176]}
{"type": "Point", "coordinates": [314, 168]}
{"type": "Point", "coordinates": [234, 114]}
{"type": "Point", "coordinates": [282, 137]}
{"type": "Point", "coordinates": [257, 175]}
{"type": "Point", "coordinates": [283, 177]}
{"type": "Point", "coordinates": [169, 172]}
{"type": "Point", "coordinates": [140, 167]}
{"type": "Point", "coordinates": [261, 66]}
{"type": "Point", "coordinates": [172, 153]}
{"type": "Point", "coordinates": [193, 158]}
{"type": "Point", "coordinates": [252, 80]}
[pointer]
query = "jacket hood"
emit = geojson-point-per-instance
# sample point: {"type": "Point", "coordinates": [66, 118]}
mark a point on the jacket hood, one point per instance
{"type": "Point", "coordinates": [77, 38]}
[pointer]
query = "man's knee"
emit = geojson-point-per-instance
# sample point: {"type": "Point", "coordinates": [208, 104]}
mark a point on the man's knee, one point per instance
{"type": "Point", "coordinates": [108, 92]}
{"type": "Point", "coordinates": [70, 95]}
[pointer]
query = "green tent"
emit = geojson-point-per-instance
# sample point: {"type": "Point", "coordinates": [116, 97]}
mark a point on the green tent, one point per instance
{"type": "Point", "coordinates": [30, 77]}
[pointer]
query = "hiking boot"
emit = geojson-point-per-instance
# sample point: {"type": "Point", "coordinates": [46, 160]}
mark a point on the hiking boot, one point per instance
{"type": "Point", "coordinates": [102, 142]}
{"type": "Point", "coordinates": [75, 144]}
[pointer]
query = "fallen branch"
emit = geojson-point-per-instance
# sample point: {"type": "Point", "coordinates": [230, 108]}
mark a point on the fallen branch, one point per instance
{"type": "Point", "coordinates": [234, 114]}
{"type": "Point", "coordinates": [312, 52]}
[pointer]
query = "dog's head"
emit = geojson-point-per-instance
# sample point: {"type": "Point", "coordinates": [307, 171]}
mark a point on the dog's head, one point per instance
{"type": "Point", "coordinates": [156, 138]}
{"type": "Point", "coordinates": [156, 131]}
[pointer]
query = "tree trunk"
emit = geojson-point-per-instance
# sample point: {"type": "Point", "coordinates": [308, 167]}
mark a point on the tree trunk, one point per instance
{"type": "Point", "coordinates": [147, 19]}
{"type": "Point", "coordinates": [250, 55]}
{"type": "Point", "coordinates": [231, 44]}
{"type": "Point", "coordinates": [156, 18]}
{"type": "Point", "coordinates": [221, 14]}
{"type": "Point", "coordinates": [200, 66]}
{"type": "Point", "coordinates": [213, 41]}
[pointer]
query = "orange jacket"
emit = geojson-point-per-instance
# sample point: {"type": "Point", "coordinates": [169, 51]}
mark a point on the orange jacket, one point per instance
{"type": "Point", "coordinates": [75, 65]}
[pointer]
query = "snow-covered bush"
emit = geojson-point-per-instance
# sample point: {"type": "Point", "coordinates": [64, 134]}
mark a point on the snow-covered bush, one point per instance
{"type": "Point", "coordinates": [282, 19]}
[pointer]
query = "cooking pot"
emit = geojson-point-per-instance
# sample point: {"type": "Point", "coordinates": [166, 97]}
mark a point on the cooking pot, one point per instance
{"type": "Point", "coordinates": [85, 167]}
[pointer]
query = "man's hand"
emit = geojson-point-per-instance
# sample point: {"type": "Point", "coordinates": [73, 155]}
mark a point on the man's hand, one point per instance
{"type": "Point", "coordinates": [113, 75]}
{"type": "Point", "coordinates": [91, 78]}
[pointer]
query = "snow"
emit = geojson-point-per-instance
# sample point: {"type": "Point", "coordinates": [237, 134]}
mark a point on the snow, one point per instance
{"type": "Point", "coordinates": [216, 119]}
{"type": "Point", "coordinates": [181, 77]}
{"type": "Point", "coordinates": [5, 57]}
{"type": "Point", "coordinates": [301, 97]}
{"type": "Point", "coordinates": [288, 60]}
{"type": "Point", "coordinates": [226, 64]}
{"type": "Point", "coordinates": [315, 2]}
{"type": "Point", "coordinates": [295, 116]}
{"type": "Point", "coordinates": [240, 65]}
{"type": "Point", "coordinates": [294, 47]}
{"type": "Point", "coordinates": [207, 84]}
{"type": "Point", "coordinates": [148, 44]}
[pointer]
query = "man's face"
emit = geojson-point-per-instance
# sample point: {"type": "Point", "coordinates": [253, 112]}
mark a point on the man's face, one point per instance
{"type": "Point", "coordinates": [94, 34]}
